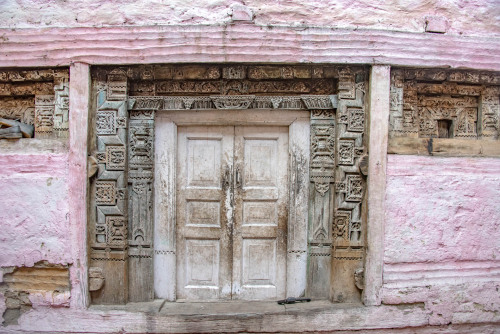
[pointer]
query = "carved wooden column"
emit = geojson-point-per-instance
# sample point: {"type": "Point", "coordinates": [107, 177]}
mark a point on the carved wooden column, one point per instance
{"type": "Point", "coordinates": [108, 273]}
{"type": "Point", "coordinates": [140, 186]}
{"type": "Point", "coordinates": [348, 226]}
{"type": "Point", "coordinates": [322, 172]}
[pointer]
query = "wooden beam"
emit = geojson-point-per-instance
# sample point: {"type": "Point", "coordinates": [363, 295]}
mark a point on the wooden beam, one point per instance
{"type": "Point", "coordinates": [77, 184]}
{"type": "Point", "coordinates": [241, 43]}
{"type": "Point", "coordinates": [444, 147]}
{"type": "Point", "coordinates": [379, 102]}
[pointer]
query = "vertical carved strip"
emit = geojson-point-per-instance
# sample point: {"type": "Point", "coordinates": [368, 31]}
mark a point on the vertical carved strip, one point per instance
{"type": "Point", "coordinates": [348, 227]}
{"type": "Point", "coordinates": [109, 221]}
{"type": "Point", "coordinates": [61, 107]}
{"type": "Point", "coordinates": [44, 116]}
{"type": "Point", "coordinates": [140, 184]}
{"type": "Point", "coordinates": [489, 115]}
{"type": "Point", "coordinates": [322, 173]}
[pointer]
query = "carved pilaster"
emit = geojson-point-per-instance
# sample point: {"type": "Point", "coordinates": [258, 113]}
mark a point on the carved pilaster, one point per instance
{"type": "Point", "coordinates": [140, 185]}
{"type": "Point", "coordinates": [322, 175]}
{"type": "Point", "coordinates": [109, 221]}
{"type": "Point", "coordinates": [350, 185]}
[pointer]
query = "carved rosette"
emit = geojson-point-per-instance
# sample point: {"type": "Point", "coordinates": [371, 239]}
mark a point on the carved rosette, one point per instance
{"type": "Point", "coordinates": [464, 103]}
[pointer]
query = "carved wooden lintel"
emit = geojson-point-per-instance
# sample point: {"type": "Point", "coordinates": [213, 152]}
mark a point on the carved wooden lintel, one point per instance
{"type": "Point", "coordinates": [318, 102]}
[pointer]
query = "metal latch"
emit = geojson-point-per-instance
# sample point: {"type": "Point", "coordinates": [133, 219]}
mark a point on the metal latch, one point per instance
{"type": "Point", "coordinates": [293, 300]}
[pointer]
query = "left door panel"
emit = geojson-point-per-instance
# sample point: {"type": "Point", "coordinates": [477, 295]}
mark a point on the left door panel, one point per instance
{"type": "Point", "coordinates": [204, 212]}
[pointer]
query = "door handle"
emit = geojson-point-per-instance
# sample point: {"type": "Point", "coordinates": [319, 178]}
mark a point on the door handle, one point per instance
{"type": "Point", "coordinates": [238, 177]}
{"type": "Point", "coordinates": [226, 181]}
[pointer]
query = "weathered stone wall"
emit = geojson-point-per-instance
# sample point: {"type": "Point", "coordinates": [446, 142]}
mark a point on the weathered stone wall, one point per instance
{"type": "Point", "coordinates": [475, 17]}
{"type": "Point", "coordinates": [34, 219]}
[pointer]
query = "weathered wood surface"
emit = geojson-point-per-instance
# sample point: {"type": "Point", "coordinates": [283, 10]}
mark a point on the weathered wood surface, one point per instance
{"type": "Point", "coordinates": [444, 147]}
{"type": "Point", "coordinates": [379, 132]}
{"type": "Point", "coordinates": [78, 132]}
{"type": "Point", "coordinates": [240, 43]}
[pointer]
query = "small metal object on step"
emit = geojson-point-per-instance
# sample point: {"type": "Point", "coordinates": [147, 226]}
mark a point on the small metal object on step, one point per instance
{"type": "Point", "coordinates": [293, 300]}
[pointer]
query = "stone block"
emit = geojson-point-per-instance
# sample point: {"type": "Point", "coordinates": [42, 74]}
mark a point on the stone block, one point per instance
{"type": "Point", "coordinates": [436, 24]}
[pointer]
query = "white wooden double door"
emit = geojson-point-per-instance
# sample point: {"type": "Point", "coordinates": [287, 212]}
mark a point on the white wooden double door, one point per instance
{"type": "Point", "coordinates": [232, 212]}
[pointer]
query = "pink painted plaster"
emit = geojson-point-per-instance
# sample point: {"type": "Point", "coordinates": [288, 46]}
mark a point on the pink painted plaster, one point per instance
{"type": "Point", "coordinates": [464, 17]}
{"type": "Point", "coordinates": [442, 209]}
{"type": "Point", "coordinates": [442, 237]}
{"type": "Point", "coordinates": [34, 209]}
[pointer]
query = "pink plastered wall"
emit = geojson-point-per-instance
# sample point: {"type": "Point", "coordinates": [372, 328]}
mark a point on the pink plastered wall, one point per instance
{"type": "Point", "coordinates": [34, 211]}
{"type": "Point", "coordinates": [442, 209]}
{"type": "Point", "coordinates": [461, 17]}
{"type": "Point", "coordinates": [442, 237]}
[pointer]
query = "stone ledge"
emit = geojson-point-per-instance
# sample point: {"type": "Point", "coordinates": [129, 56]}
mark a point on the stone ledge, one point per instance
{"type": "Point", "coordinates": [444, 147]}
{"type": "Point", "coordinates": [33, 146]}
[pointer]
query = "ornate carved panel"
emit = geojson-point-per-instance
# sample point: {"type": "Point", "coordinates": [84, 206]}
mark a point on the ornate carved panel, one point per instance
{"type": "Point", "coordinates": [37, 98]}
{"type": "Point", "coordinates": [464, 102]}
{"type": "Point", "coordinates": [109, 217]}
{"type": "Point", "coordinates": [350, 184]}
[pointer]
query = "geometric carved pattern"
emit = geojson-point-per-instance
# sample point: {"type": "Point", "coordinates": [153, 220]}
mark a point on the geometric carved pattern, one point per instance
{"type": "Point", "coordinates": [464, 102]}
{"type": "Point", "coordinates": [109, 217]}
{"type": "Point", "coordinates": [322, 103]}
{"type": "Point", "coordinates": [354, 188]}
{"type": "Point", "coordinates": [322, 163]}
{"type": "Point", "coordinates": [105, 122]}
{"type": "Point", "coordinates": [105, 192]}
{"type": "Point", "coordinates": [44, 115]}
{"type": "Point", "coordinates": [346, 152]}
{"type": "Point", "coordinates": [349, 183]}
{"type": "Point", "coordinates": [115, 157]}
{"type": "Point", "coordinates": [117, 230]}
{"type": "Point", "coordinates": [61, 108]}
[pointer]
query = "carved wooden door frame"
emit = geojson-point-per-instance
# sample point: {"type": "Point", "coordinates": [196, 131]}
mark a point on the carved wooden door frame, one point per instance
{"type": "Point", "coordinates": [327, 247]}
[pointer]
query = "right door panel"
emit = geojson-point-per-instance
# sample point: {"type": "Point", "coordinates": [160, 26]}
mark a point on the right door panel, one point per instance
{"type": "Point", "coordinates": [261, 212]}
